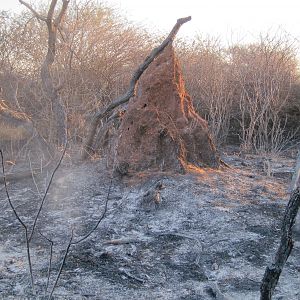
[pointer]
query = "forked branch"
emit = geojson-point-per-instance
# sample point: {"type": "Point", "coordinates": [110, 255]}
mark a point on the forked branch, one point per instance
{"type": "Point", "coordinates": [47, 190]}
{"type": "Point", "coordinates": [79, 240]}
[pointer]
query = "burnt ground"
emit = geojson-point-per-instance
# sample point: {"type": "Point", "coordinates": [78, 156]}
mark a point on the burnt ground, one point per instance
{"type": "Point", "coordinates": [211, 236]}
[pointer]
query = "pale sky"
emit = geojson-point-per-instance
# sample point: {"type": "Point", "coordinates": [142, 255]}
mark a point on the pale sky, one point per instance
{"type": "Point", "coordinates": [231, 20]}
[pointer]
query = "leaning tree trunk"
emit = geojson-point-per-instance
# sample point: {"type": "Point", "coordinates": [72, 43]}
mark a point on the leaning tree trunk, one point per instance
{"type": "Point", "coordinates": [50, 90]}
{"type": "Point", "coordinates": [273, 271]}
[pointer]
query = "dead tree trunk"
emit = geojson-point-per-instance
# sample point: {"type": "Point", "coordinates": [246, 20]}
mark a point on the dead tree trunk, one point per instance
{"type": "Point", "coordinates": [272, 272]}
{"type": "Point", "coordinates": [88, 147]}
{"type": "Point", "coordinates": [296, 176]}
{"type": "Point", "coordinates": [50, 90]}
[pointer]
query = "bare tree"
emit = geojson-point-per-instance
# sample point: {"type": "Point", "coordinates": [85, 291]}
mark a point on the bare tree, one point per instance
{"type": "Point", "coordinates": [96, 52]}
{"type": "Point", "coordinates": [52, 91]}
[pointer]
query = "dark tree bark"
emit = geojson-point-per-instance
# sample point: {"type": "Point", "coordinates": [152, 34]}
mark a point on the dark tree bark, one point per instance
{"type": "Point", "coordinates": [88, 147]}
{"type": "Point", "coordinates": [273, 271]}
{"type": "Point", "coordinates": [296, 176]}
{"type": "Point", "coordinates": [49, 88]}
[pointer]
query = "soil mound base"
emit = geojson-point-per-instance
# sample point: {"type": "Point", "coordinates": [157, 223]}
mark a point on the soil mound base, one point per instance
{"type": "Point", "coordinates": [161, 130]}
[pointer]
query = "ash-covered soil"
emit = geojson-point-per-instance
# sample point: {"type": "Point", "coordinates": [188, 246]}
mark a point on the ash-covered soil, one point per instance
{"type": "Point", "coordinates": [210, 237]}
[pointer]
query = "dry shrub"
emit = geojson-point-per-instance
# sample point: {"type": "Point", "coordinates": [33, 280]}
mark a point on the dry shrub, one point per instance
{"type": "Point", "coordinates": [209, 81]}
{"type": "Point", "coordinates": [247, 91]}
{"type": "Point", "coordinates": [247, 85]}
{"type": "Point", "coordinates": [264, 74]}
{"type": "Point", "coordinates": [97, 51]}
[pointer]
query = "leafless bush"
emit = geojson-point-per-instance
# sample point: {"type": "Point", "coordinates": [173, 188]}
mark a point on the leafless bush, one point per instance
{"type": "Point", "coordinates": [97, 51]}
{"type": "Point", "coordinates": [29, 230]}
{"type": "Point", "coordinates": [209, 82]}
{"type": "Point", "coordinates": [251, 83]}
{"type": "Point", "coordinates": [264, 73]}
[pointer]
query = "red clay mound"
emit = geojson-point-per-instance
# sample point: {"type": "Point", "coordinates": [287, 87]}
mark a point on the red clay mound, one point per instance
{"type": "Point", "coordinates": [161, 130]}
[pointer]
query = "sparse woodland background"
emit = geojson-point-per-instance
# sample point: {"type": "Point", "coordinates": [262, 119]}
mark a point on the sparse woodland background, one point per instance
{"type": "Point", "coordinates": [249, 93]}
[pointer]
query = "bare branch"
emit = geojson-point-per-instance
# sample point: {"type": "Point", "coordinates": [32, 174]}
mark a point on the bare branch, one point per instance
{"type": "Point", "coordinates": [47, 80]}
{"type": "Point", "coordinates": [99, 221]}
{"type": "Point", "coordinates": [51, 10]}
{"type": "Point", "coordinates": [47, 190]}
{"type": "Point", "coordinates": [61, 13]}
{"type": "Point", "coordinates": [272, 272]}
{"type": "Point", "coordinates": [36, 14]}
{"type": "Point", "coordinates": [29, 259]}
{"type": "Point", "coordinates": [62, 265]}
{"type": "Point", "coordinates": [77, 242]}
{"type": "Point", "coordinates": [50, 260]}
{"type": "Point", "coordinates": [175, 29]}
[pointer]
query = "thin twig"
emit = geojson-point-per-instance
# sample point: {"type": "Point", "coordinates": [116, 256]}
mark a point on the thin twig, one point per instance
{"type": "Point", "coordinates": [50, 260]}
{"type": "Point", "coordinates": [47, 190]}
{"type": "Point", "coordinates": [36, 14]}
{"type": "Point", "coordinates": [33, 178]}
{"type": "Point", "coordinates": [80, 240]}
{"type": "Point", "coordinates": [62, 265]}
{"type": "Point", "coordinates": [29, 260]}
{"type": "Point", "coordinates": [99, 221]}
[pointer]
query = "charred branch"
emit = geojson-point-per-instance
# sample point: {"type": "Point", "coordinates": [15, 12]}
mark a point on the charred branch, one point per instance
{"type": "Point", "coordinates": [273, 271]}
